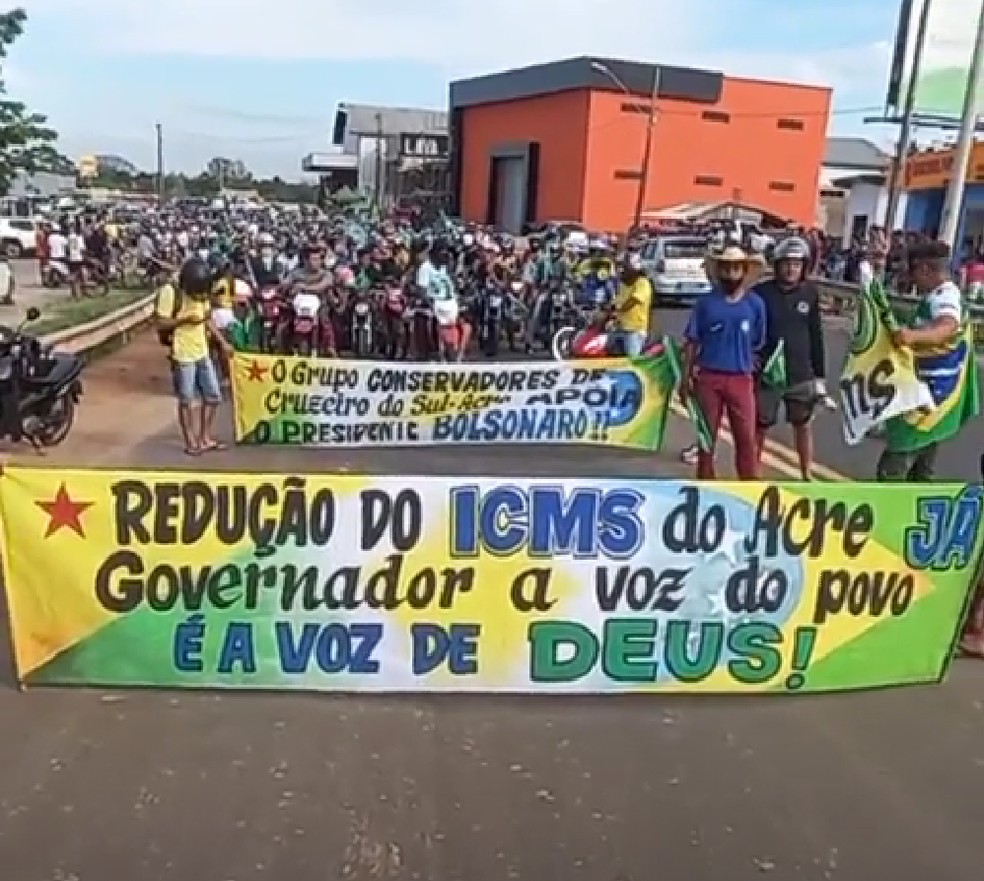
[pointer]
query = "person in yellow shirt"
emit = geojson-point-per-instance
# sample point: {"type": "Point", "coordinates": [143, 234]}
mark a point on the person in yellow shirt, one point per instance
{"type": "Point", "coordinates": [183, 313]}
{"type": "Point", "coordinates": [632, 307]}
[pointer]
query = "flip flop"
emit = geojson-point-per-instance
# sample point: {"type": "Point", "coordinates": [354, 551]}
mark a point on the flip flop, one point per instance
{"type": "Point", "coordinates": [214, 447]}
{"type": "Point", "coordinates": [964, 650]}
{"type": "Point", "coordinates": [191, 451]}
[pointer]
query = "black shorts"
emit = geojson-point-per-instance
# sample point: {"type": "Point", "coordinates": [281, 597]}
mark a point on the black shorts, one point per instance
{"type": "Point", "coordinates": [798, 401]}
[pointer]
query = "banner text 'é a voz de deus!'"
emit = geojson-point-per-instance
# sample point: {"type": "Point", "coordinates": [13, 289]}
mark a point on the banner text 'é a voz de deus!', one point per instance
{"type": "Point", "coordinates": [298, 401]}
{"type": "Point", "coordinates": [439, 584]}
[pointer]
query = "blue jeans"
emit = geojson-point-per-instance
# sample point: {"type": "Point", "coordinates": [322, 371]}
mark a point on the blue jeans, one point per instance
{"type": "Point", "coordinates": [629, 342]}
{"type": "Point", "coordinates": [197, 379]}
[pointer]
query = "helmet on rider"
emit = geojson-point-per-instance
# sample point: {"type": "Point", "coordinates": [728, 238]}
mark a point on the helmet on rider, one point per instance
{"type": "Point", "coordinates": [791, 258]}
{"type": "Point", "coordinates": [440, 251]}
{"type": "Point", "coordinates": [344, 277]}
{"type": "Point", "coordinates": [195, 278]}
{"type": "Point", "coordinates": [241, 291]}
{"type": "Point", "coordinates": [631, 266]}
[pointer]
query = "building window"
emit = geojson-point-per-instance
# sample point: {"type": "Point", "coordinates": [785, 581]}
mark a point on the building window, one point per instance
{"type": "Point", "coordinates": [781, 186]}
{"type": "Point", "coordinates": [715, 116]}
{"type": "Point", "coordinates": [627, 174]}
{"type": "Point", "coordinates": [708, 180]}
{"type": "Point", "coordinates": [790, 125]}
{"type": "Point", "coordinates": [634, 108]}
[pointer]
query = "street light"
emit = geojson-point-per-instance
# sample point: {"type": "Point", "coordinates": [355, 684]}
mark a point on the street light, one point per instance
{"type": "Point", "coordinates": [647, 150]}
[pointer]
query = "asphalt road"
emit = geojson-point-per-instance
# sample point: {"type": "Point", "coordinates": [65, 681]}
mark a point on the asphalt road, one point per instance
{"type": "Point", "coordinates": [959, 460]}
{"type": "Point", "coordinates": [244, 787]}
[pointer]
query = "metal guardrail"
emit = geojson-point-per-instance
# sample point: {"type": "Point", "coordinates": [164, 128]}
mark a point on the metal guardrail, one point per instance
{"type": "Point", "coordinates": [106, 329]}
{"type": "Point", "coordinates": [840, 297]}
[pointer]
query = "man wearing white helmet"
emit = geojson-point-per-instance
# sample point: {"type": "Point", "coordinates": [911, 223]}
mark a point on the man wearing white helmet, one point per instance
{"type": "Point", "coordinates": [794, 325]}
{"type": "Point", "coordinates": [267, 270]}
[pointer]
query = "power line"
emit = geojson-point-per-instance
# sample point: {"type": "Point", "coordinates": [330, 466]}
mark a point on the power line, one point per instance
{"type": "Point", "coordinates": [272, 139]}
{"type": "Point", "coordinates": [245, 116]}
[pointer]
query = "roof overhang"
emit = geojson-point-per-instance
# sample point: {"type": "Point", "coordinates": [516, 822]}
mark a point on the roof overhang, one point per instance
{"type": "Point", "coordinates": [315, 163]}
{"type": "Point", "coordinates": [845, 183]}
{"type": "Point", "coordinates": [698, 211]}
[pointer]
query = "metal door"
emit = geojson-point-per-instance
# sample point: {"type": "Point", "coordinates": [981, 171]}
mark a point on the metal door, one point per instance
{"type": "Point", "coordinates": [510, 194]}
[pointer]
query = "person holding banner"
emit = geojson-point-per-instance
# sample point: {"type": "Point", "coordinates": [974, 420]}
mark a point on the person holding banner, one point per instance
{"type": "Point", "coordinates": [794, 324]}
{"type": "Point", "coordinates": [971, 643]}
{"type": "Point", "coordinates": [725, 334]}
{"type": "Point", "coordinates": [940, 338]}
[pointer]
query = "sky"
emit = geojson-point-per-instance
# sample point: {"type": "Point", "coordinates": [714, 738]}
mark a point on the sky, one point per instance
{"type": "Point", "coordinates": [259, 81]}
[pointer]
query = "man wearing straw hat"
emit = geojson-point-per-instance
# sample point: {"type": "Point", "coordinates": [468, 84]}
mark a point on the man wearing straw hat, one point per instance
{"type": "Point", "coordinates": [724, 336]}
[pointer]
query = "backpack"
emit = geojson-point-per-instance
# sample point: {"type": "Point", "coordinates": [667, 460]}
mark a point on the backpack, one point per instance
{"type": "Point", "coordinates": [166, 337]}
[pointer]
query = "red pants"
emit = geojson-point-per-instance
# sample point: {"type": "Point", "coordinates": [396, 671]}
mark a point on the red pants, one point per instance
{"type": "Point", "coordinates": [733, 393]}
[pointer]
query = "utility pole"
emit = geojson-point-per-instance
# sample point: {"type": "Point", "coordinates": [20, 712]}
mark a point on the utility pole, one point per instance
{"type": "Point", "coordinates": [378, 188]}
{"type": "Point", "coordinates": [160, 163]}
{"type": "Point", "coordinates": [952, 203]}
{"type": "Point", "coordinates": [908, 108]}
{"type": "Point", "coordinates": [647, 150]}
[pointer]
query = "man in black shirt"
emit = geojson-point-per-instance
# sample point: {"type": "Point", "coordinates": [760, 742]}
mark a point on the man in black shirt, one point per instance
{"type": "Point", "coordinates": [794, 321]}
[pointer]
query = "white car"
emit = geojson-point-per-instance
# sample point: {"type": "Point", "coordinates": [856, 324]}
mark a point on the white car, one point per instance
{"type": "Point", "coordinates": [17, 236]}
{"type": "Point", "coordinates": [675, 265]}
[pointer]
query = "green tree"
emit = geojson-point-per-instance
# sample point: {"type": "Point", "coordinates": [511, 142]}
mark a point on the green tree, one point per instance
{"type": "Point", "coordinates": [26, 143]}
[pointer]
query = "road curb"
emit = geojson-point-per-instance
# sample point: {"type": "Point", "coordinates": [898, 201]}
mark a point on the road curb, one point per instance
{"type": "Point", "coordinates": [106, 333]}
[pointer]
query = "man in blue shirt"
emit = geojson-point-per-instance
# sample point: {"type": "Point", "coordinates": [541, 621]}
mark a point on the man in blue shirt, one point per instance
{"type": "Point", "coordinates": [725, 333]}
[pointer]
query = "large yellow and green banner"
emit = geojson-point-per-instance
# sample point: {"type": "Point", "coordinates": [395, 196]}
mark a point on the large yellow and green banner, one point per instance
{"type": "Point", "coordinates": [439, 584]}
{"type": "Point", "coordinates": [317, 402]}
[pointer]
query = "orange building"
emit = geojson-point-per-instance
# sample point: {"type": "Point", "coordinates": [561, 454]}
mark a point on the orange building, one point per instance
{"type": "Point", "coordinates": [565, 141]}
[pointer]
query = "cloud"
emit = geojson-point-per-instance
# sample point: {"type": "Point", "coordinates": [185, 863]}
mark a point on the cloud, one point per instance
{"type": "Point", "coordinates": [463, 38]}
{"type": "Point", "coordinates": [456, 35]}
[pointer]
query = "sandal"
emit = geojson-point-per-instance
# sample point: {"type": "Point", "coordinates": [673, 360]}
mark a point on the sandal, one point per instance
{"type": "Point", "coordinates": [192, 451]}
{"type": "Point", "coordinates": [974, 650]}
{"type": "Point", "coordinates": [214, 447]}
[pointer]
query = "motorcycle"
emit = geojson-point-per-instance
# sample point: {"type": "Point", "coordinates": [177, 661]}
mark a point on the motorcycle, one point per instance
{"type": "Point", "coordinates": [39, 388]}
{"type": "Point", "coordinates": [304, 336]}
{"type": "Point", "coordinates": [423, 332]}
{"type": "Point", "coordinates": [362, 330]}
{"type": "Point", "coordinates": [592, 338]}
{"type": "Point", "coordinates": [394, 316]}
{"type": "Point", "coordinates": [492, 308]}
{"type": "Point", "coordinates": [562, 313]}
{"type": "Point", "coordinates": [55, 273]}
{"type": "Point", "coordinates": [269, 309]}
{"type": "Point", "coordinates": [452, 331]}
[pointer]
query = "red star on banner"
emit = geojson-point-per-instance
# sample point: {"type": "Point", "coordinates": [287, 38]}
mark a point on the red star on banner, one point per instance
{"type": "Point", "coordinates": [64, 511]}
{"type": "Point", "coordinates": [257, 372]}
